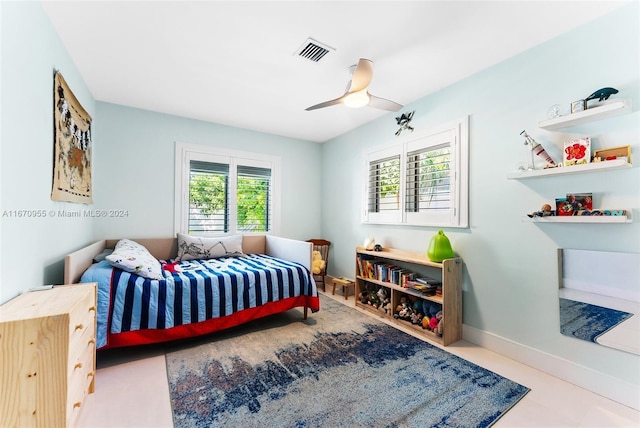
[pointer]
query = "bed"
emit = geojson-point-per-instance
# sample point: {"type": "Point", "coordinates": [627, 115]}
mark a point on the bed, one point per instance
{"type": "Point", "coordinates": [270, 275]}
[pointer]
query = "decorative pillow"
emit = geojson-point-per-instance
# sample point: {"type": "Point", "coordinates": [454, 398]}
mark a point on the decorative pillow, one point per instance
{"type": "Point", "coordinates": [135, 258]}
{"type": "Point", "coordinates": [199, 248]}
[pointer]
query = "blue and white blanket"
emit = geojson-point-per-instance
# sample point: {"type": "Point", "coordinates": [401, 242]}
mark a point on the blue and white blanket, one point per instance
{"type": "Point", "coordinates": [205, 289]}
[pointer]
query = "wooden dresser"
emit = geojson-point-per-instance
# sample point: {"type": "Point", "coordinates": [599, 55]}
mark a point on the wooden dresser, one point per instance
{"type": "Point", "coordinates": [47, 356]}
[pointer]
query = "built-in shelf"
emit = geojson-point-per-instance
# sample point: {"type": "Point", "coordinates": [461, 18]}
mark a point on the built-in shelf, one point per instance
{"type": "Point", "coordinates": [574, 169]}
{"type": "Point", "coordinates": [579, 219]}
{"type": "Point", "coordinates": [610, 109]}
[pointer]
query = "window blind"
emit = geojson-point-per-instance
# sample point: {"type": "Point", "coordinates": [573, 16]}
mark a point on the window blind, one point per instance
{"type": "Point", "coordinates": [384, 184]}
{"type": "Point", "coordinates": [428, 179]}
{"type": "Point", "coordinates": [208, 197]}
{"type": "Point", "coordinates": [254, 199]}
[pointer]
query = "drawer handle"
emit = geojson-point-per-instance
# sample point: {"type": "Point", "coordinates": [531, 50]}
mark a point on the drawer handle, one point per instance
{"type": "Point", "coordinates": [90, 374]}
{"type": "Point", "coordinates": [77, 366]}
{"type": "Point", "coordinates": [92, 308]}
{"type": "Point", "coordinates": [91, 342]}
{"type": "Point", "coordinates": [79, 326]}
{"type": "Point", "coordinates": [77, 404]}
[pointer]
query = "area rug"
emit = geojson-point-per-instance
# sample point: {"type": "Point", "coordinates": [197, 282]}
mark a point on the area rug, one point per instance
{"type": "Point", "coordinates": [588, 322]}
{"type": "Point", "coordinates": [338, 368]}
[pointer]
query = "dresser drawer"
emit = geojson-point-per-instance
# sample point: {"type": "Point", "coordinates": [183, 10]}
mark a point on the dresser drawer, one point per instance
{"type": "Point", "coordinates": [83, 345]}
{"type": "Point", "coordinates": [80, 380]}
{"type": "Point", "coordinates": [47, 355]}
{"type": "Point", "coordinates": [84, 330]}
{"type": "Point", "coordinates": [83, 316]}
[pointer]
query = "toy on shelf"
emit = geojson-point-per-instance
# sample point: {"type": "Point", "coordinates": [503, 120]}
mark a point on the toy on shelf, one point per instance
{"type": "Point", "coordinates": [439, 248]}
{"type": "Point", "coordinates": [384, 304]}
{"type": "Point", "coordinates": [545, 211]}
{"type": "Point", "coordinates": [602, 94]}
{"type": "Point", "coordinates": [538, 150]}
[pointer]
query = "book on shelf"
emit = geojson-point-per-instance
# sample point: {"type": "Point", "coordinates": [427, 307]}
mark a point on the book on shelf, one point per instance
{"type": "Point", "coordinates": [371, 268]}
{"type": "Point", "coordinates": [427, 289]}
{"type": "Point", "coordinates": [425, 280]}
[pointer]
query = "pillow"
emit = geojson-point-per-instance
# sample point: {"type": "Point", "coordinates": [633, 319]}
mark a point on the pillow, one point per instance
{"type": "Point", "coordinates": [199, 248]}
{"type": "Point", "coordinates": [103, 255]}
{"type": "Point", "coordinates": [135, 258]}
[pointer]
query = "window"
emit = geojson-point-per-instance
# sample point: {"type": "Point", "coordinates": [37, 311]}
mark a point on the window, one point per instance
{"type": "Point", "coordinates": [420, 179]}
{"type": "Point", "coordinates": [222, 192]}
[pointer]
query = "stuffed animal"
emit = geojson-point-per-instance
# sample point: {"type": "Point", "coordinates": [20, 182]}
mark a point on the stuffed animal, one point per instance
{"type": "Point", "coordinates": [425, 322]}
{"type": "Point", "coordinates": [364, 297]}
{"type": "Point", "coordinates": [385, 306]}
{"type": "Point", "coordinates": [171, 267]}
{"type": "Point", "coordinates": [317, 264]}
{"type": "Point", "coordinates": [433, 324]}
{"type": "Point", "coordinates": [440, 327]}
{"type": "Point", "coordinates": [401, 306]}
{"type": "Point", "coordinates": [416, 318]}
{"type": "Point", "coordinates": [406, 311]}
{"type": "Point", "coordinates": [383, 300]}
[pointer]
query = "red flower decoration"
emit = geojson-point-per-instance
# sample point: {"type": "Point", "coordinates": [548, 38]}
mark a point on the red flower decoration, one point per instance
{"type": "Point", "coordinates": [575, 151]}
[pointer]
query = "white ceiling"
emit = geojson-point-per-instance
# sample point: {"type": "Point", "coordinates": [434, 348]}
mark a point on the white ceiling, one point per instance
{"type": "Point", "coordinates": [233, 62]}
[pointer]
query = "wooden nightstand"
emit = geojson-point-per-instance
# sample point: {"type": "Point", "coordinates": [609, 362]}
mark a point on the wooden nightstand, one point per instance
{"type": "Point", "coordinates": [47, 356]}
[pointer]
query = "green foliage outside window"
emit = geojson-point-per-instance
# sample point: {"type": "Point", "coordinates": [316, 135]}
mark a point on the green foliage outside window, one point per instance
{"type": "Point", "coordinates": [253, 204]}
{"type": "Point", "coordinates": [390, 178]}
{"type": "Point", "coordinates": [208, 195]}
{"type": "Point", "coordinates": [207, 192]}
{"type": "Point", "coordinates": [433, 173]}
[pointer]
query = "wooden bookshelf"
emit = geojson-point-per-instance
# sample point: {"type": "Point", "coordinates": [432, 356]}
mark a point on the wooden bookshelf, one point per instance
{"type": "Point", "coordinates": [449, 273]}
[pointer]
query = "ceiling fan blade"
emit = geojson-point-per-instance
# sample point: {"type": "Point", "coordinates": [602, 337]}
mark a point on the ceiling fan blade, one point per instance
{"type": "Point", "coordinates": [326, 104]}
{"type": "Point", "coordinates": [383, 104]}
{"type": "Point", "coordinates": [362, 76]}
{"type": "Point", "coordinates": [356, 90]}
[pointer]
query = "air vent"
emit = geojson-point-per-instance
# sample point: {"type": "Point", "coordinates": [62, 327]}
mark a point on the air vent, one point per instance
{"type": "Point", "coordinates": [313, 50]}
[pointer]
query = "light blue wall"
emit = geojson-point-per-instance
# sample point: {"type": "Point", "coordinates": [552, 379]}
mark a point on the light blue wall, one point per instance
{"type": "Point", "coordinates": [133, 162]}
{"type": "Point", "coordinates": [510, 284]}
{"type": "Point", "coordinates": [510, 276]}
{"type": "Point", "coordinates": [32, 249]}
{"type": "Point", "coordinates": [135, 170]}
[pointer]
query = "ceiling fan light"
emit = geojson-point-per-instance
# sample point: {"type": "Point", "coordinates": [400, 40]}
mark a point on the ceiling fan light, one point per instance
{"type": "Point", "coordinates": [357, 99]}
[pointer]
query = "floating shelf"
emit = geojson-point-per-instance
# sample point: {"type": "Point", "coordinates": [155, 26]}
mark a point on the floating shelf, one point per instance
{"type": "Point", "coordinates": [575, 169]}
{"type": "Point", "coordinates": [579, 219]}
{"type": "Point", "coordinates": [610, 109]}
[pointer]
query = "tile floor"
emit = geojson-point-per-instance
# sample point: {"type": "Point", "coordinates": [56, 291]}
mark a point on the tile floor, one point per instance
{"type": "Point", "coordinates": [132, 391]}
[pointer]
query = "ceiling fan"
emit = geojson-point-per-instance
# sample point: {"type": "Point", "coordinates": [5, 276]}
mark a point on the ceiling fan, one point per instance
{"type": "Point", "coordinates": [357, 94]}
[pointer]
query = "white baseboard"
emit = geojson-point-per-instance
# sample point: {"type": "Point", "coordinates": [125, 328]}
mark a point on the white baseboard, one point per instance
{"type": "Point", "coordinates": [599, 383]}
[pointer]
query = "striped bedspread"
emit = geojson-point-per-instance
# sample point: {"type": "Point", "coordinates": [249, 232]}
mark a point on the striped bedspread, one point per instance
{"type": "Point", "coordinates": [205, 289]}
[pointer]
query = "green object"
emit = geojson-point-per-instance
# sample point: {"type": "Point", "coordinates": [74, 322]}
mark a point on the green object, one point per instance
{"type": "Point", "coordinates": [439, 248]}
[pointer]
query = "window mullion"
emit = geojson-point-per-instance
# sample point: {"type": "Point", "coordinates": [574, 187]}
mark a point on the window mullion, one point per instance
{"type": "Point", "coordinates": [232, 198]}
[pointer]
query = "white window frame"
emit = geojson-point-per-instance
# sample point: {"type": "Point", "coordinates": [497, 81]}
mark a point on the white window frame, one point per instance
{"type": "Point", "coordinates": [185, 153]}
{"type": "Point", "coordinates": [457, 133]}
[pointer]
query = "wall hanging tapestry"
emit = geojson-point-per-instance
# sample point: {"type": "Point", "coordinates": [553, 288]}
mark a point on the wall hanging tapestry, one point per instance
{"type": "Point", "coordinates": [339, 368]}
{"type": "Point", "coordinates": [72, 147]}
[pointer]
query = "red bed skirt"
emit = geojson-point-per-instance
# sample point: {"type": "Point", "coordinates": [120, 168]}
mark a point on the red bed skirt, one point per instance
{"type": "Point", "coordinates": [145, 337]}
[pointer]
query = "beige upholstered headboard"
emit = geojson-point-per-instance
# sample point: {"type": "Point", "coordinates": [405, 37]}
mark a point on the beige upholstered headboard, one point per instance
{"type": "Point", "coordinates": [167, 248]}
{"type": "Point", "coordinates": [77, 262]}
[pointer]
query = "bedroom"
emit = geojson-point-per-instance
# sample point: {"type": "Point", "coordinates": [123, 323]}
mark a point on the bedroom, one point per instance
{"type": "Point", "coordinates": [513, 313]}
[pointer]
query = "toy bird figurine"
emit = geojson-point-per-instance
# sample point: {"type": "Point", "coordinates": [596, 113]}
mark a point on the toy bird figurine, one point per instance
{"type": "Point", "coordinates": [403, 121]}
{"type": "Point", "coordinates": [602, 94]}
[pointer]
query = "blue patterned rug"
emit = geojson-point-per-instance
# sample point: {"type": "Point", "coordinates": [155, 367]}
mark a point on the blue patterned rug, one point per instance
{"type": "Point", "coordinates": [338, 368]}
{"type": "Point", "coordinates": [588, 322]}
